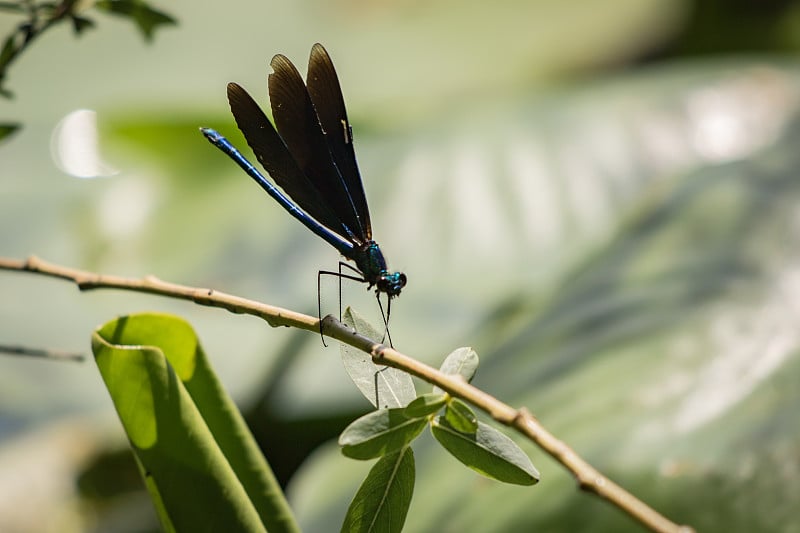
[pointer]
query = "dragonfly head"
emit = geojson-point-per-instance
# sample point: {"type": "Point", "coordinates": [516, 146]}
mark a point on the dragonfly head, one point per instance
{"type": "Point", "coordinates": [391, 283]}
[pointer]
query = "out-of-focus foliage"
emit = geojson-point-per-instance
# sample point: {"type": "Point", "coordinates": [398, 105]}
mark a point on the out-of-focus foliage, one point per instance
{"type": "Point", "coordinates": [146, 18]}
{"type": "Point", "coordinates": [666, 351]}
{"type": "Point", "coordinates": [7, 129]}
{"type": "Point", "coordinates": [730, 26]}
{"type": "Point", "coordinates": [36, 18]}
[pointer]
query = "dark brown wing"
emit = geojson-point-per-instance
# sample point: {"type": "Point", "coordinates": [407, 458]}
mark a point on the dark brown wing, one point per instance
{"type": "Point", "coordinates": [326, 94]}
{"type": "Point", "coordinates": [299, 126]}
{"type": "Point", "coordinates": [273, 154]}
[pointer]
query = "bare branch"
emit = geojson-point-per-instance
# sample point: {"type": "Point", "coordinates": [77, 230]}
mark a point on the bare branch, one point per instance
{"type": "Point", "coordinates": [25, 351]}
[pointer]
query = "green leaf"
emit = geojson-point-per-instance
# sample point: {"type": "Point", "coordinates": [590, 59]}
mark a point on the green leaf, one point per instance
{"type": "Point", "coordinates": [81, 24]}
{"type": "Point", "coordinates": [7, 52]}
{"type": "Point", "coordinates": [145, 17]}
{"type": "Point", "coordinates": [381, 503]}
{"type": "Point", "coordinates": [383, 386]}
{"type": "Point", "coordinates": [425, 405]}
{"type": "Point", "coordinates": [192, 445]}
{"type": "Point", "coordinates": [488, 452]}
{"type": "Point", "coordinates": [460, 416]}
{"type": "Point", "coordinates": [379, 432]}
{"type": "Point", "coordinates": [7, 129]}
{"type": "Point", "coordinates": [461, 362]}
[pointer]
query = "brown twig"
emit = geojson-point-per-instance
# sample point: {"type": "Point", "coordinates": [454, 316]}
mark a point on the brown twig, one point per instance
{"type": "Point", "coordinates": [588, 477]}
{"type": "Point", "coordinates": [43, 353]}
{"type": "Point", "coordinates": [36, 24]}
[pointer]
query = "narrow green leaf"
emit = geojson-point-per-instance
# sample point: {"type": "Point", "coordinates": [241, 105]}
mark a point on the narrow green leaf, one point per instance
{"type": "Point", "coordinates": [461, 362]}
{"type": "Point", "coordinates": [381, 503]}
{"type": "Point", "coordinates": [147, 19]}
{"type": "Point", "coordinates": [488, 452]}
{"type": "Point", "coordinates": [186, 433]}
{"type": "Point", "coordinates": [425, 405]}
{"type": "Point", "coordinates": [7, 129]}
{"type": "Point", "coordinates": [8, 51]}
{"type": "Point", "coordinates": [383, 386]}
{"type": "Point", "coordinates": [81, 24]}
{"type": "Point", "coordinates": [379, 433]}
{"type": "Point", "coordinates": [460, 416]}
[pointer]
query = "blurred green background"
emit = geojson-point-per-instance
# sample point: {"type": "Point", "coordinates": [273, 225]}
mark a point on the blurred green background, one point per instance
{"type": "Point", "coordinates": [600, 198]}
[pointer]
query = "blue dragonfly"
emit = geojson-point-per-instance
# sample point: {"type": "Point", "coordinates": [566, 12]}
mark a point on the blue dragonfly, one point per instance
{"type": "Point", "coordinates": [309, 154]}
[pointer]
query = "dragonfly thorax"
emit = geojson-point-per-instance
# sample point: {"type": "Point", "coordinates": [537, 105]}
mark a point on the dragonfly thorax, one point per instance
{"type": "Point", "coordinates": [372, 265]}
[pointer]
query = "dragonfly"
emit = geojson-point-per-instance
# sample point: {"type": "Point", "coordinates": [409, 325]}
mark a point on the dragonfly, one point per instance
{"type": "Point", "coordinates": [309, 154]}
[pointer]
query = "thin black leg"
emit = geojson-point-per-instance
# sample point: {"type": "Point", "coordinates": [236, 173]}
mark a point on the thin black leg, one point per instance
{"type": "Point", "coordinates": [385, 317]}
{"type": "Point", "coordinates": [319, 292]}
{"type": "Point", "coordinates": [319, 307]}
